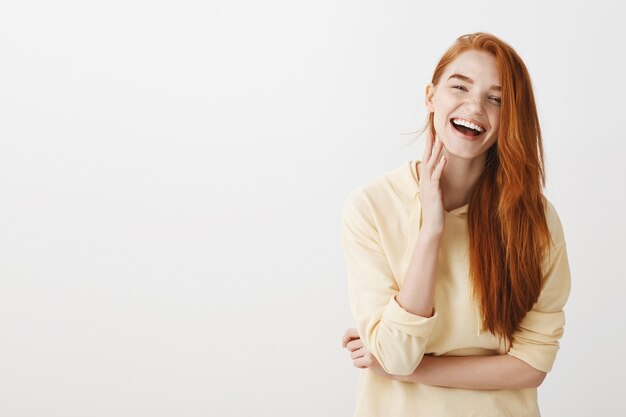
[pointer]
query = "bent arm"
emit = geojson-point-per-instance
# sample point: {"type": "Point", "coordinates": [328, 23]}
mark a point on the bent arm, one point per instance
{"type": "Point", "coordinates": [396, 337]}
{"type": "Point", "coordinates": [417, 294]}
{"type": "Point", "coordinates": [475, 372]}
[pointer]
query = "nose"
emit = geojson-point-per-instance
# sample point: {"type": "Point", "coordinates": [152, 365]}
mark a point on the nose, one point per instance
{"type": "Point", "coordinates": [474, 104]}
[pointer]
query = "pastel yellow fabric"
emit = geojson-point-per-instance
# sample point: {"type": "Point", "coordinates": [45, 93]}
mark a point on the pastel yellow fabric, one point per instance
{"type": "Point", "coordinates": [380, 226]}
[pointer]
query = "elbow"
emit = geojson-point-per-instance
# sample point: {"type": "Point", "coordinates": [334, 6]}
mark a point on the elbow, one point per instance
{"type": "Point", "coordinates": [538, 378]}
{"type": "Point", "coordinates": [528, 375]}
{"type": "Point", "coordinates": [533, 378]}
{"type": "Point", "coordinates": [399, 347]}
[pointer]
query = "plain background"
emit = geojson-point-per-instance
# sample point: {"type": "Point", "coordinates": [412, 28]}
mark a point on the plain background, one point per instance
{"type": "Point", "coordinates": [171, 178]}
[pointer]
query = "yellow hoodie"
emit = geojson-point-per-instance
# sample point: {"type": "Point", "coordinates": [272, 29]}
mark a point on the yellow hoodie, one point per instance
{"type": "Point", "coordinates": [380, 226]}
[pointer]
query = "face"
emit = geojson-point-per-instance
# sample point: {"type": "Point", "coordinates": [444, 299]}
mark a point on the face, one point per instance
{"type": "Point", "coordinates": [466, 101]}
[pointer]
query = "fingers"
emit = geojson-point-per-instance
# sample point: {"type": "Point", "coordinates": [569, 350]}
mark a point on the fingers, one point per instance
{"type": "Point", "coordinates": [439, 169]}
{"type": "Point", "coordinates": [359, 353]}
{"type": "Point", "coordinates": [354, 344]}
{"type": "Point", "coordinates": [364, 361]}
{"type": "Point", "coordinates": [361, 357]}
{"type": "Point", "coordinates": [349, 335]}
{"type": "Point", "coordinates": [434, 159]}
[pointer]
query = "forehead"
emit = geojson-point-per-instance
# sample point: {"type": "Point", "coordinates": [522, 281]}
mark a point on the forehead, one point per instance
{"type": "Point", "coordinates": [478, 65]}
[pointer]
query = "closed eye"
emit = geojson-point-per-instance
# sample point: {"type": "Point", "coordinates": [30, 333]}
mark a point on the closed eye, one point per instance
{"type": "Point", "coordinates": [497, 100]}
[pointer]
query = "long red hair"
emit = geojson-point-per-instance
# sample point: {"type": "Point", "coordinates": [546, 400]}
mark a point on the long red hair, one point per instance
{"type": "Point", "coordinates": [508, 232]}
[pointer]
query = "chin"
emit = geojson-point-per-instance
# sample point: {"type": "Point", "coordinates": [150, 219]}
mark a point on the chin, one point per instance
{"type": "Point", "coordinates": [463, 152]}
{"type": "Point", "coordinates": [457, 147]}
{"type": "Point", "coordinates": [462, 155]}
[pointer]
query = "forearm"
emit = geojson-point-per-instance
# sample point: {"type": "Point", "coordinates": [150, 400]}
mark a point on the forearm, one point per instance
{"type": "Point", "coordinates": [418, 289]}
{"type": "Point", "coordinates": [475, 372]}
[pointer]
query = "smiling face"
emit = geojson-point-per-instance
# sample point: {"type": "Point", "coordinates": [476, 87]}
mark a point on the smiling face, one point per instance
{"type": "Point", "coordinates": [466, 101]}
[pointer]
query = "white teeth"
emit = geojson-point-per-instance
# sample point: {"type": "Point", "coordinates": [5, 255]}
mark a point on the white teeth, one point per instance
{"type": "Point", "coordinates": [468, 124]}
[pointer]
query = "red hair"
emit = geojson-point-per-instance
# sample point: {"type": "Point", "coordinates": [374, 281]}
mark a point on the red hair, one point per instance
{"type": "Point", "coordinates": [508, 232]}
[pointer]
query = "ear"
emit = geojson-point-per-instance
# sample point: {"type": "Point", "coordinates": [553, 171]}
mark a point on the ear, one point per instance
{"type": "Point", "coordinates": [428, 97]}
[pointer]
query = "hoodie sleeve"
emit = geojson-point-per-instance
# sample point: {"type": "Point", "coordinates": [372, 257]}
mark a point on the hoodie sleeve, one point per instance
{"type": "Point", "coordinates": [395, 337]}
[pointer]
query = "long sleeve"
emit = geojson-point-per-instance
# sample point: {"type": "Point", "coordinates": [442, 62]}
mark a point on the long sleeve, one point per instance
{"type": "Point", "coordinates": [537, 340]}
{"type": "Point", "coordinates": [395, 337]}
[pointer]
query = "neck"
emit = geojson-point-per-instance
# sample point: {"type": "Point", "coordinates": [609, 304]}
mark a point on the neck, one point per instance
{"type": "Point", "coordinates": [458, 179]}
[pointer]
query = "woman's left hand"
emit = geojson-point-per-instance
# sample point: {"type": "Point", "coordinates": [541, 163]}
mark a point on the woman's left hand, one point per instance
{"type": "Point", "coordinates": [361, 356]}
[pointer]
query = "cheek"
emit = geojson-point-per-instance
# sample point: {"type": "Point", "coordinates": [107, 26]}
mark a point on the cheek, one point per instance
{"type": "Point", "coordinates": [495, 125]}
{"type": "Point", "coordinates": [444, 106]}
{"type": "Point", "coordinates": [440, 121]}
{"type": "Point", "coordinates": [494, 117]}
{"type": "Point", "coordinates": [445, 101]}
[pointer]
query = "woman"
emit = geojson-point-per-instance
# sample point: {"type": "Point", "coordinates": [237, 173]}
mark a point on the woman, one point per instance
{"type": "Point", "coordinates": [457, 264]}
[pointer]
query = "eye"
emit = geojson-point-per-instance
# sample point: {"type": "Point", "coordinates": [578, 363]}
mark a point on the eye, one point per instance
{"type": "Point", "coordinates": [497, 99]}
{"type": "Point", "coordinates": [460, 87]}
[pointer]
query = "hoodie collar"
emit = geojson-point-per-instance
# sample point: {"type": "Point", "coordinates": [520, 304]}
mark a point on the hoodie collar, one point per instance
{"type": "Point", "coordinates": [405, 180]}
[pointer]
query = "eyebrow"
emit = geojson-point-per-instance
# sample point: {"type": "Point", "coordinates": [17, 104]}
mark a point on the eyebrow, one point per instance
{"type": "Point", "coordinates": [469, 80]}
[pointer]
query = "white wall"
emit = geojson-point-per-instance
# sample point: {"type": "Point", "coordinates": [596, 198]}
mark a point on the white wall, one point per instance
{"type": "Point", "coordinates": [171, 175]}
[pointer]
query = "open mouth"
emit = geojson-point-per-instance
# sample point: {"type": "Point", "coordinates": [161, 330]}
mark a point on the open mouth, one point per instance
{"type": "Point", "coordinates": [466, 128]}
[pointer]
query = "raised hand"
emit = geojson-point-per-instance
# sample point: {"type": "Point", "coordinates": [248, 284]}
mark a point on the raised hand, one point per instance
{"type": "Point", "coordinates": [429, 171]}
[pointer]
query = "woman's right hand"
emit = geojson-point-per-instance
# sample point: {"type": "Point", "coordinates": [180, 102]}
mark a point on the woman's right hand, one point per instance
{"type": "Point", "coordinates": [429, 170]}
